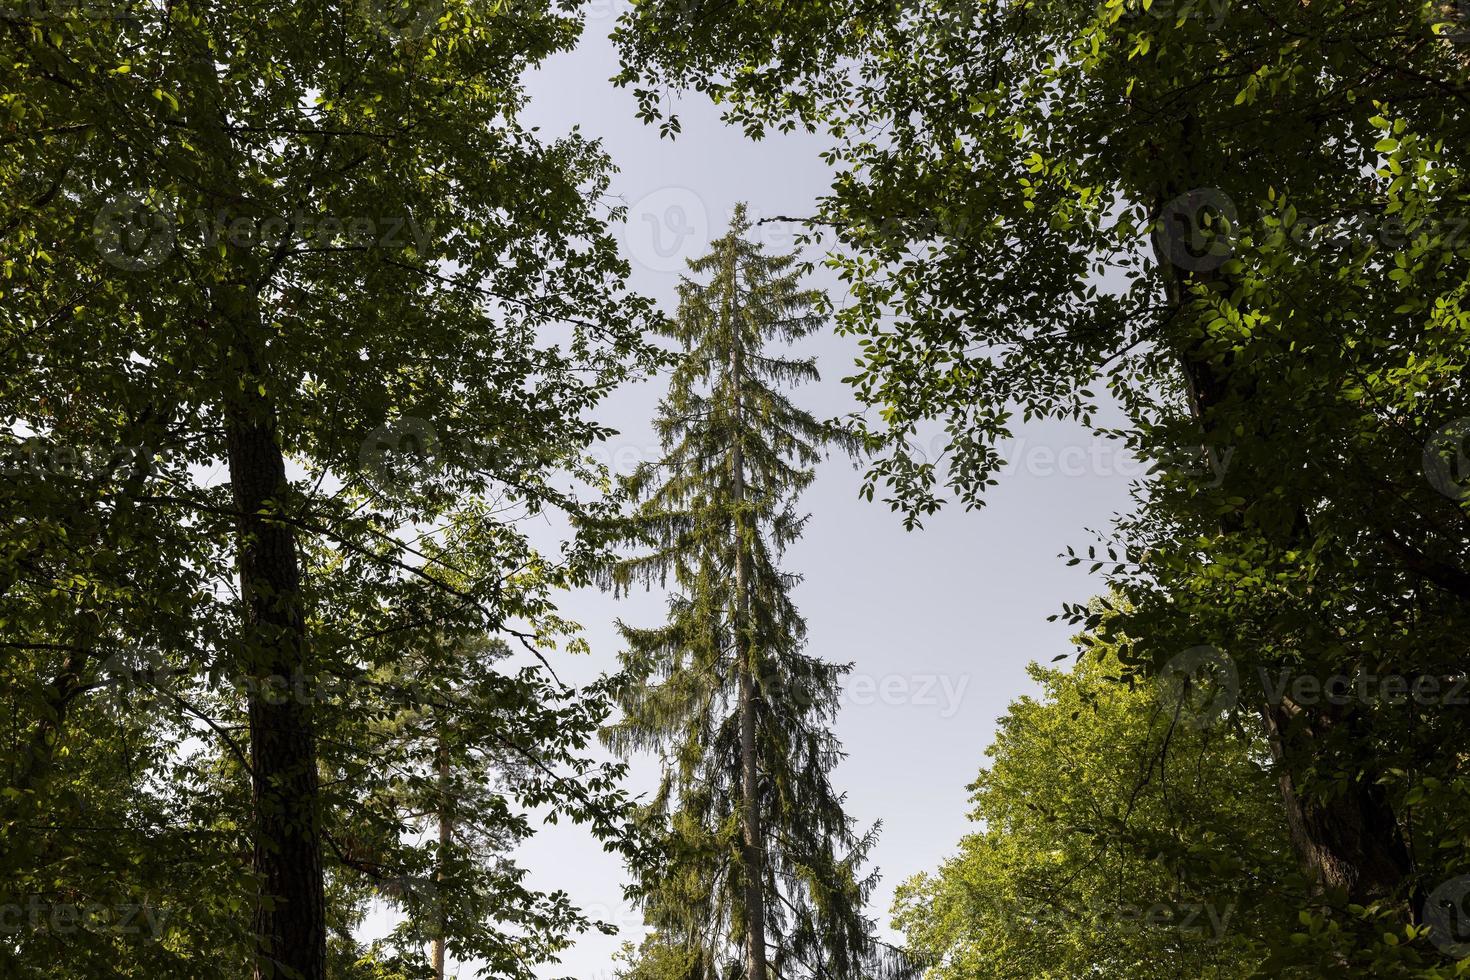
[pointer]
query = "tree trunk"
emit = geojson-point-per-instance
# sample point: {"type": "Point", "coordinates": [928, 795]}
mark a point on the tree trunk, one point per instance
{"type": "Point", "coordinates": [1352, 842]}
{"type": "Point", "coordinates": [446, 833]}
{"type": "Point", "coordinates": [753, 851]}
{"type": "Point", "coordinates": [755, 905]}
{"type": "Point", "coordinates": [1349, 843]}
{"type": "Point", "coordinates": [290, 914]}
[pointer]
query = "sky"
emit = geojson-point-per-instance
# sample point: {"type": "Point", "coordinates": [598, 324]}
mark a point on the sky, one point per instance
{"type": "Point", "coordinates": [939, 624]}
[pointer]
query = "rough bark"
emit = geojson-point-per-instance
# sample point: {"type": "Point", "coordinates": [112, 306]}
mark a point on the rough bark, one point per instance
{"type": "Point", "coordinates": [1351, 842]}
{"type": "Point", "coordinates": [290, 914]}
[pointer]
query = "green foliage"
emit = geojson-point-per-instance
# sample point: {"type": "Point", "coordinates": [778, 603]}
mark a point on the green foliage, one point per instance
{"type": "Point", "coordinates": [659, 958]}
{"type": "Point", "coordinates": [323, 227]}
{"type": "Point", "coordinates": [1112, 841]}
{"type": "Point", "coordinates": [718, 510]}
{"type": "Point", "coordinates": [1243, 223]}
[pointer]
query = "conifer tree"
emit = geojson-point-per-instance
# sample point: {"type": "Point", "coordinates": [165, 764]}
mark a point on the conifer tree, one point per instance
{"type": "Point", "coordinates": [761, 861]}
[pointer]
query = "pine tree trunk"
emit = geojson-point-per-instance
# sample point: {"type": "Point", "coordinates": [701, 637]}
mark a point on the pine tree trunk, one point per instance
{"type": "Point", "coordinates": [1352, 842]}
{"type": "Point", "coordinates": [753, 851]}
{"type": "Point", "coordinates": [755, 906]}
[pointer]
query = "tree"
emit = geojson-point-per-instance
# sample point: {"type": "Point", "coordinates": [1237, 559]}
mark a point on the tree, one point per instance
{"type": "Point", "coordinates": [1241, 220]}
{"type": "Point", "coordinates": [662, 958]}
{"type": "Point", "coordinates": [465, 744]}
{"type": "Point", "coordinates": [759, 854]}
{"type": "Point", "coordinates": [267, 246]}
{"type": "Point", "coordinates": [1111, 840]}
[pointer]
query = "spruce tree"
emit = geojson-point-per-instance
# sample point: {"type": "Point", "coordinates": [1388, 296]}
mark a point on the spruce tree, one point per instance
{"type": "Point", "coordinates": [760, 874]}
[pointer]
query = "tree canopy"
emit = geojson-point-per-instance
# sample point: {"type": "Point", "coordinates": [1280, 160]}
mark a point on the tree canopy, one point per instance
{"type": "Point", "coordinates": [1111, 840]}
{"type": "Point", "coordinates": [1237, 224]}
{"type": "Point", "coordinates": [301, 324]}
{"type": "Point", "coordinates": [323, 320]}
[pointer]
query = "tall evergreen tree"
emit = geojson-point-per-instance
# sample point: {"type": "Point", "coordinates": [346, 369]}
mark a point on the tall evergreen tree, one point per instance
{"type": "Point", "coordinates": [1256, 246]}
{"type": "Point", "coordinates": [760, 855]}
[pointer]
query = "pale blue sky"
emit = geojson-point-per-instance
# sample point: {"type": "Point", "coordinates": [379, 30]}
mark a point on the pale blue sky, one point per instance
{"type": "Point", "coordinates": [939, 624]}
